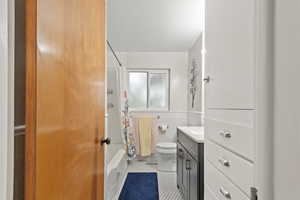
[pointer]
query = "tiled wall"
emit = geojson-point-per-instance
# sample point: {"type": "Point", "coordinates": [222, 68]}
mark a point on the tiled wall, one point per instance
{"type": "Point", "coordinates": [177, 62]}
{"type": "Point", "coordinates": [194, 118]}
{"type": "Point", "coordinates": [172, 119]}
{"type": "Point", "coordinates": [113, 117]}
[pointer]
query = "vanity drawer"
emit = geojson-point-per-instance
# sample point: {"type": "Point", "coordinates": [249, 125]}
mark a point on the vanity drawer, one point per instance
{"type": "Point", "coordinates": [190, 145]}
{"type": "Point", "coordinates": [239, 170]}
{"type": "Point", "coordinates": [221, 186]}
{"type": "Point", "coordinates": [233, 130]}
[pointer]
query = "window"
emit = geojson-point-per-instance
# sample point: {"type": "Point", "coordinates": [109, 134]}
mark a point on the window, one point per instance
{"type": "Point", "coordinates": [148, 89]}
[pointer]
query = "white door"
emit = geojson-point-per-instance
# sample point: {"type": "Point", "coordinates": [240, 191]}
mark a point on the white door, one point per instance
{"type": "Point", "coordinates": [230, 60]}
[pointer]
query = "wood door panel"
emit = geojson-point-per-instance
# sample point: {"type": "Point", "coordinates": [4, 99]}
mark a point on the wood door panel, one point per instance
{"type": "Point", "coordinates": [70, 91]}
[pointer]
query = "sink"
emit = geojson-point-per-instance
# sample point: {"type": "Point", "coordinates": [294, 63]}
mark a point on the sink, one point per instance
{"type": "Point", "coordinates": [194, 132]}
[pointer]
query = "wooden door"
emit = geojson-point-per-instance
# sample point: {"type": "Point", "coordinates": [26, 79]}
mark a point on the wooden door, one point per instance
{"type": "Point", "coordinates": [65, 99]}
{"type": "Point", "coordinates": [230, 59]}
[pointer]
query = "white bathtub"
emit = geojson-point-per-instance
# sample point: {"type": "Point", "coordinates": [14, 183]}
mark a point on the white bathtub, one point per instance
{"type": "Point", "coordinates": [116, 171]}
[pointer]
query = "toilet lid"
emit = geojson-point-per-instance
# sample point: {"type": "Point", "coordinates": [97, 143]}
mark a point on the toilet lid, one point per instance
{"type": "Point", "coordinates": [167, 145]}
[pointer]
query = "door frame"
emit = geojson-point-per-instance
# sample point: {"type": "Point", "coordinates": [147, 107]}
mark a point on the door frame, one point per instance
{"type": "Point", "coordinates": [7, 98]}
{"type": "Point", "coordinates": [30, 153]}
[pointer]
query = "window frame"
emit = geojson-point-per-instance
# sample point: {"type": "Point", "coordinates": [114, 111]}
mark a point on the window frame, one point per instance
{"type": "Point", "coordinates": [148, 71]}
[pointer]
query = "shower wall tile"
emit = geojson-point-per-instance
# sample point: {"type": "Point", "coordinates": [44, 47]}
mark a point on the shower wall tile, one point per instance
{"type": "Point", "coordinates": [195, 119]}
{"type": "Point", "coordinates": [194, 111]}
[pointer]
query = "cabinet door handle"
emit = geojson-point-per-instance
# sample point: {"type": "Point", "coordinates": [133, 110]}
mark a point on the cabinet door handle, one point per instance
{"type": "Point", "coordinates": [253, 191]}
{"type": "Point", "coordinates": [206, 79]}
{"type": "Point", "coordinates": [225, 134]}
{"type": "Point", "coordinates": [224, 162]}
{"type": "Point", "coordinates": [188, 165]}
{"type": "Point", "coordinates": [180, 153]}
{"type": "Point", "coordinates": [225, 193]}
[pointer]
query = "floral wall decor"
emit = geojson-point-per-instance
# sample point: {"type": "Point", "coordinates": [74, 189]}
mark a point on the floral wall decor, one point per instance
{"type": "Point", "coordinates": [193, 83]}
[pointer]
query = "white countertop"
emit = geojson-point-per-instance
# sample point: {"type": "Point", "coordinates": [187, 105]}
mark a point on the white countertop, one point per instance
{"type": "Point", "coordinates": [196, 133]}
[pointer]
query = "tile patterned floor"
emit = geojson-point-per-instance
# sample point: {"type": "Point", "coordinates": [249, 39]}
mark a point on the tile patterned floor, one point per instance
{"type": "Point", "coordinates": [166, 181]}
{"type": "Point", "coordinates": [170, 195]}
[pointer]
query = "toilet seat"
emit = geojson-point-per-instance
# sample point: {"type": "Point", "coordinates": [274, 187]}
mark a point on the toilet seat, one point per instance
{"type": "Point", "coordinates": [166, 147]}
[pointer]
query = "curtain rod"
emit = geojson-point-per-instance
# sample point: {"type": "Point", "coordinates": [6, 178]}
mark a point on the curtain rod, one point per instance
{"type": "Point", "coordinates": [115, 55]}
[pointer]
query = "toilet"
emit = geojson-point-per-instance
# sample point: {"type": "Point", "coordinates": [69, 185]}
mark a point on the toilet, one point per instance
{"type": "Point", "coordinates": [166, 156]}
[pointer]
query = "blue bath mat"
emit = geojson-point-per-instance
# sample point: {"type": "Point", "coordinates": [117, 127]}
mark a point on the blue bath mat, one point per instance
{"type": "Point", "coordinates": [140, 186]}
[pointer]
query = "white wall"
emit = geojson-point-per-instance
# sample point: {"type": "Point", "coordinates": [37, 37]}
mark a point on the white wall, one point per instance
{"type": "Point", "coordinates": [177, 62]}
{"type": "Point", "coordinates": [6, 98]}
{"type": "Point", "coordinates": [194, 113]}
{"type": "Point", "coordinates": [287, 100]}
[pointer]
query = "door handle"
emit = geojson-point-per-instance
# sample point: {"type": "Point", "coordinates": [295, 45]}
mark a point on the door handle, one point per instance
{"type": "Point", "coordinates": [225, 193]}
{"type": "Point", "coordinates": [188, 165]}
{"type": "Point", "coordinates": [225, 134]}
{"type": "Point", "coordinates": [253, 191]}
{"type": "Point", "coordinates": [180, 153]}
{"type": "Point", "coordinates": [105, 141]}
{"type": "Point", "coordinates": [206, 79]}
{"type": "Point", "coordinates": [224, 162]}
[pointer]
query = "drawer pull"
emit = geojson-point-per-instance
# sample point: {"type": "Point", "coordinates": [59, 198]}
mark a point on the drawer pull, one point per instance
{"type": "Point", "coordinates": [225, 134]}
{"type": "Point", "coordinates": [188, 165]}
{"type": "Point", "coordinates": [206, 79]}
{"type": "Point", "coordinates": [225, 193]}
{"type": "Point", "coordinates": [180, 153]}
{"type": "Point", "coordinates": [224, 162]}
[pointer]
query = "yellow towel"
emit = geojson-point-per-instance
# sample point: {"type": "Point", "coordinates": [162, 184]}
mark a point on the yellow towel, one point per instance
{"type": "Point", "coordinates": [145, 133]}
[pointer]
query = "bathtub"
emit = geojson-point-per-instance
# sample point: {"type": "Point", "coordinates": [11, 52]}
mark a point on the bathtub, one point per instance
{"type": "Point", "coordinates": [116, 171]}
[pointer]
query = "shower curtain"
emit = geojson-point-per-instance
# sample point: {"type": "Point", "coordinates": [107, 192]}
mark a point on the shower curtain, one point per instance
{"type": "Point", "coordinates": [127, 130]}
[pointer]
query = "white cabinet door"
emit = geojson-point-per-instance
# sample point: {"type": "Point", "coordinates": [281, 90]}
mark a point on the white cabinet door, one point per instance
{"type": "Point", "coordinates": [230, 53]}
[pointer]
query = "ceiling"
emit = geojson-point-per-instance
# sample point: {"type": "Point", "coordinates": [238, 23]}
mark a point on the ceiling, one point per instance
{"type": "Point", "coordinates": [154, 25]}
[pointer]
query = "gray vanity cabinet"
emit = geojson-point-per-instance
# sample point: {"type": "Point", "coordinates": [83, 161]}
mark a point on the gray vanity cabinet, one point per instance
{"type": "Point", "coordinates": [180, 167]}
{"type": "Point", "coordinates": [182, 171]}
{"type": "Point", "coordinates": [190, 167]}
{"type": "Point", "coordinates": [193, 178]}
{"type": "Point", "coordinates": [180, 160]}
